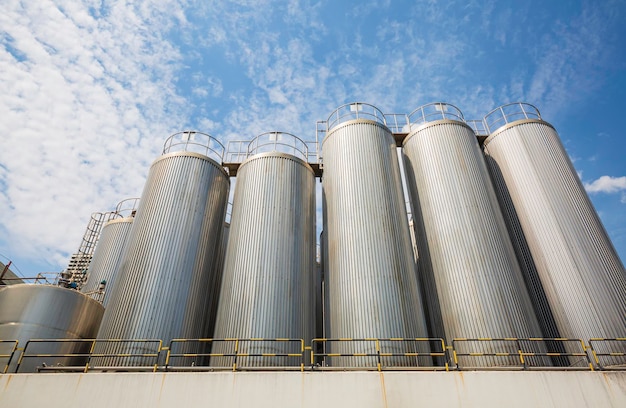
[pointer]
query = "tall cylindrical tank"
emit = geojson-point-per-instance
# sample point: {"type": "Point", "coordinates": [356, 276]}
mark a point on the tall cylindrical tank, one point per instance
{"type": "Point", "coordinates": [370, 276]}
{"type": "Point", "coordinates": [48, 312]}
{"type": "Point", "coordinates": [269, 266]}
{"type": "Point", "coordinates": [472, 282]}
{"type": "Point", "coordinates": [557, 231]}
{"type": "Point", "coordinates": [220, 270]}
{"type": "Point", "coordinates": [108, 253]}
{"type": "Point", "coordinates": [167, 278]}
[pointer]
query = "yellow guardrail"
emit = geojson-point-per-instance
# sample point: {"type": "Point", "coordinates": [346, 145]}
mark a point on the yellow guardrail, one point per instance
{"type": "Point", "coordinates": [238, 351]}
{"type": "Point", "coordinates": [138, 361]}
{"type": "Point", "coordinates": [492, 355]}
{"type": "Point", "coordinates": [377, 352]}
{"type": "Point", "coordinates": [78, 354]}
{"type": "Point", "coordinates": [577, 353]}
{"type": "Point", "coordinates": [10, 355]}
{"type": "Point", "coordinates": [359, 353]}
{"type": "Point", "coordinates": [609, 354]}
{"type": "Point", "coordinates": [522, 353]}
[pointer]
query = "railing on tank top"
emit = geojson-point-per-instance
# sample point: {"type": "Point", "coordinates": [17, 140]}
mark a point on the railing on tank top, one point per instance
{"type": "Point", "coordinates": [127, 208]}
{"type": "Point", "coordinates": [509, 113]}
{"type": "Point", "coordinates": [355, 110]}
{"type": "Point", "coordinates": [98, 355]}
{"type": "Point", "coordinates": [196, 142]}
{"type": "Point", "coordinates": [395, 122]}
{"type": "Point", "coordinates": [42, 278]}
{"type": "Point", "coordinates": [399, 124]}
{"type": "Point", "coordinates": [238, 151]}
{"type": "Point", "coordinates": [434, 111]}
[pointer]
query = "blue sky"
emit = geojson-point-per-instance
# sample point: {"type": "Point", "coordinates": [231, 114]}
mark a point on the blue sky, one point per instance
{"type": "Point", "coordinates": [90, 90]}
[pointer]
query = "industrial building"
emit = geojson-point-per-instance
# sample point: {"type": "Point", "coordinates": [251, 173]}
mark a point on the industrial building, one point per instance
{"type": "Point", "coordinates": [512, 296]}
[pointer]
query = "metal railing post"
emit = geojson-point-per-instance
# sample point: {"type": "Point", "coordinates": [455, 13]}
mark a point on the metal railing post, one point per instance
{"type": "Point", "coordinates": [521, 355]}
{"type": "Point", "coordinates": [236, 353]}
{"type": "Point", "coordinates": [378, 354]}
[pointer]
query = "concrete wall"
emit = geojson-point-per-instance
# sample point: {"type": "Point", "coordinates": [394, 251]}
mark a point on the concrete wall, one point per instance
{"type": "Point", "coordinates": [316, 389]}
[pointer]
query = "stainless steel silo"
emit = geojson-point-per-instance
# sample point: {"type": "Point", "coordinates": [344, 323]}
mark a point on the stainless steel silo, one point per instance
{"type": "Point", "coordinates": [220, 269]}
{"type": "Point", "coordinates": [370, 278]}
{"type": "Point", "coordinates": [473, 285]}
{"type": "Point", "coordinates": [556, 229]}
{"type": "Point", "coordinates": [269, 267]}
{"type": "Point", "coordinates": [48, 312]}
{"type": "Point", "coordinates": [108, 252]}
{"type": "Point", "coordinates": [166, 281]}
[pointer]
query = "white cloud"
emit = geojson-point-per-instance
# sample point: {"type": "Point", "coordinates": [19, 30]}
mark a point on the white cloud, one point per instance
{"type": "Point", "coordinates": [87, 102]}
{"type": "Point", "coordinates": [201, 92]}
{"type": "Point", "coordinates": [607, 184]}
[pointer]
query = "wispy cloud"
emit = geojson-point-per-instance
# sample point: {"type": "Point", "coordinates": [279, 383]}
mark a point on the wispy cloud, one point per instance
{"type": "Point", "coordinates": [576, 52]}
{"type": "Point", "coordinates": [87, 101]}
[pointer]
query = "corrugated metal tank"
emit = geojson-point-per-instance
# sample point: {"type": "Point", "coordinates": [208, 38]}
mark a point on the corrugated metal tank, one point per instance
{"type": "Point", "coordinates": [558, 234]}
{"type": "Point", "coordinates": [167, 277]}
{"type": "Point", "coordinates": [370, 276]}
{"type": "Point", "coordinates": [219, 271]}
{"type": "Point", "coordinates": [47, 312]}
{"type": "Point", "coordinates": [472, 282]}
{"type": "Point", "coordinates": [107, 256]}
{"type": "Point", "coordinates": [268, 282]}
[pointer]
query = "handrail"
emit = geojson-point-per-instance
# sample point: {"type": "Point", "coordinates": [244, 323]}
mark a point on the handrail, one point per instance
{"type": "Point", "coordinates": [75, 352]}
{"type": "Point", "coordinates": [9, 355]}
{"type": "Point", "coordinates": [517, 353]}
{"type": "Point", "coordinates": [237, 151]}
{"type": "Point", "coordinates": [397, 122]}
{"type": "Point", "coordinates": [321, 130]}
{"type": "Point", "coordinates": [432, 112]}
{"type": "Point", "coordinates": [131, 357]}
{"type": "Point", "coordinates": [603, 352]}
{"type": "Point", "coordinates": [127, 207]}
{"type": "Point", "coordinates": [508, 113]}
{"type": "Point", "coordinates": [279, 142]}
{"type": "Point", "coordinates": [355, 110]}
{"type": "Point", "coordinates": [478, 126]}
{"type": "Point", "coordinates": [198, 142]}
{"type": "Point", "coordinates": [524, 349]}
{"type": "Point", "coordinates": [378, 351]}
{"type": "Point", "coordinates": [237, 352]}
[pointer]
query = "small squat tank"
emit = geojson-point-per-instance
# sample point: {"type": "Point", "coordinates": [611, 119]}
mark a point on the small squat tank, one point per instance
{"type": "Point", "coordinates": [166, 281]}
{"type": "Point", "coordinates": [269, 266]}
{"type": "Point", "coordinates": [370, 275]}
{"type": "Point", "coordinates": [473, 284]}
{"type": "Point", "coordinates": [47, 312]}
{"type": "Point", "coordinates": [558, 234]}
{"type": "Point", "coordinates": [108, 252]}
